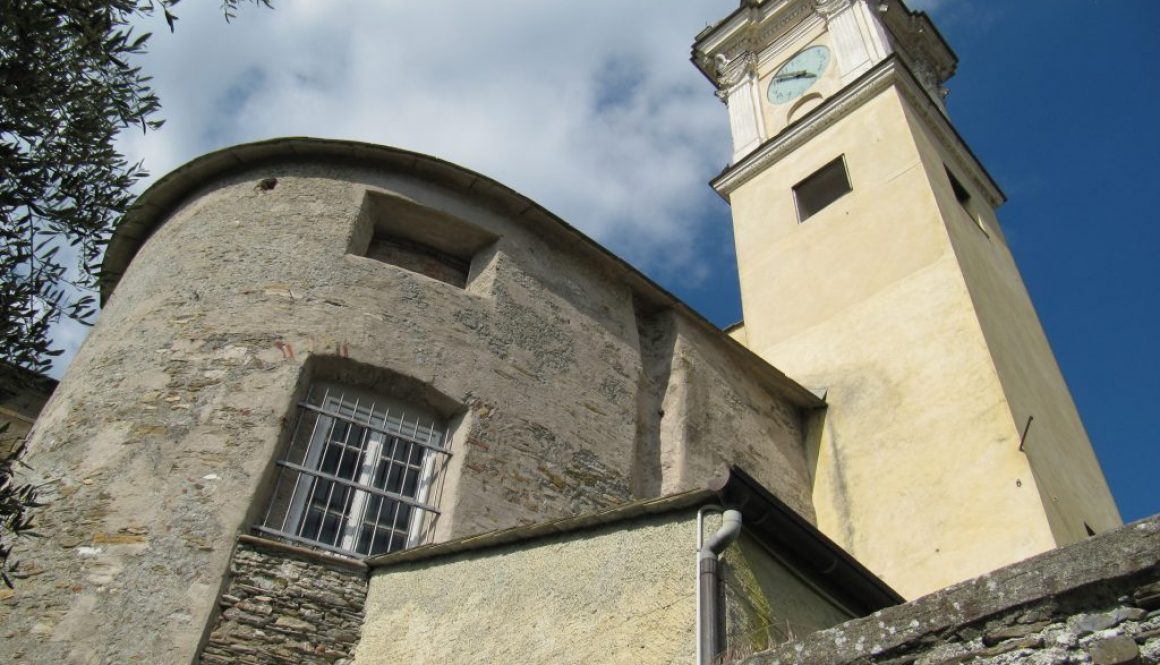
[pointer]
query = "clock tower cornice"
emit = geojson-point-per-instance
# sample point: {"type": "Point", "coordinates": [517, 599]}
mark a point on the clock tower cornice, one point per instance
{"type": "Point", "coordinates": [748, 35]}
{"type": "Point", "coordinates": [892, 71]}
{"type": "Point", "coordinates": [762, 30]}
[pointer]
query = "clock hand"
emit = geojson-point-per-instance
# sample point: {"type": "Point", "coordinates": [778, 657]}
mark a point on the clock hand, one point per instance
{"type": "Point", "coordinates": [794, 75]}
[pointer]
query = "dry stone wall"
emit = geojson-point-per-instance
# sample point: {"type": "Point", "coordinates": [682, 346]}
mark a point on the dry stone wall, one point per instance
{"type": "Point", "coordinates": [1094, 602]}
{"type": "Point", "coordinates": [286, 606]}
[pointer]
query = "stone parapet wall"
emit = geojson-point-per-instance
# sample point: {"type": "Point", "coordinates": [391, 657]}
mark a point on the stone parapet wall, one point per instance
{"type": "Point", "coordinates": [284, 605]}
{"type": "Point", "coordinates": [1094, 602]}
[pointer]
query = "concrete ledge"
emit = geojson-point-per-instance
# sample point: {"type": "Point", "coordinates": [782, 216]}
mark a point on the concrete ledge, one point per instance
{"type": "Point", "coordinates": [554, 527]}
{"type": "Point", "coordinates": [315, 556]}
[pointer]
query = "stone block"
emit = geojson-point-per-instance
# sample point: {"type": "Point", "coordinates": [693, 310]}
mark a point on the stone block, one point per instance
{"type": "Point", "coordinates": [1148, 597]}
{"type": "Point", "coordinates": [1114, 651]}
{"type": "Point", "coordinates": [1027, 642]}
{"type": "Point", "coordinates": [1004, 633]}
{"type": "Point", "coordinates": [1084, 624]}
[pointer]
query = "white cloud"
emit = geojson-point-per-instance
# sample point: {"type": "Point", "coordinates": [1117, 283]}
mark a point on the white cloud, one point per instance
{"type": "Point", "coordinates": [591, 109]}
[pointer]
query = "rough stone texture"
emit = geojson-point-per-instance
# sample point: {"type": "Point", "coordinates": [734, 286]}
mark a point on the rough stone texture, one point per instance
{"type": "Point", "coordinates": [1090, 602]}
{"type": "Point", "coordinates": [286, 608]}
{"type": "Point", "coordinates": [727, 421]}
{"type": "Point", "coordinates": [157, 449]}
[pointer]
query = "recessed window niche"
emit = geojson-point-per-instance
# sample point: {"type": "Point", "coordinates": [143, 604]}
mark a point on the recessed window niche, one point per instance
{"type": "Point", "coordinates": [963, 196]}
{"type": "Point", "coordinates": [416, 238]}
{"type": "Point", "coordinates": [820, 189]}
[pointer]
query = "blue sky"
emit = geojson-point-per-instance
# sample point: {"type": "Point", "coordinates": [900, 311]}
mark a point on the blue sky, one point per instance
{"type": "Point", "coordinates": [594, 110]}
{"type": "Point", "coordinates": [1059, 100]}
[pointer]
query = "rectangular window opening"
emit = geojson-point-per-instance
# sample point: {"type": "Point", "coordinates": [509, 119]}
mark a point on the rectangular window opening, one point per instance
{"type": "Point", "coordinates": [961, 193]}
{"type": "Point", "coordinates": [963, 196]}
{"type": "Point", "coordinates": [419, 258]}
{"type": "Point", "coordinates": [417, 238]}
{"type": "Point", "coordinates": [823, 187]}
{"type": "Point", "coordinates": [356, 476]}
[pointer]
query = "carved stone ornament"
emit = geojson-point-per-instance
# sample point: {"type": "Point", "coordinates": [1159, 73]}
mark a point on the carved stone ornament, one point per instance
{"type": "Point", "coordinates": [828, 8]}
{"type": "Point", "coordinates": [795, 15]}
{"type": "Point", "coordinates": [720, 63]}
{"type": "Point", "coordinates": [731, 72]}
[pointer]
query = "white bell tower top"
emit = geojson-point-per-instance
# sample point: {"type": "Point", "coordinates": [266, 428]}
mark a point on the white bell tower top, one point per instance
{"type": "Point", "coordinates": [750, 57]}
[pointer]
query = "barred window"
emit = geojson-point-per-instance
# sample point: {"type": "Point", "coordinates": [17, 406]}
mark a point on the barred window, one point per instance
{"type": "Point", "coordinates": [356, 475]}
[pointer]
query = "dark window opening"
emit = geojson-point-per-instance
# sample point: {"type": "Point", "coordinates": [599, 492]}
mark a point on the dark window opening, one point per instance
{"type": "Point", "coordinates": [417, 238]}
{"type": "Point", "coordinates": [1090, 532]}
{"type": "Point", "coordinates": [964, 198]}
{"type": "Point", "coordinates": [961, 193]}
{"type": "Point", "coordinates": [823, 187]}
{"type": "Point", "coordinates": [419, 258]}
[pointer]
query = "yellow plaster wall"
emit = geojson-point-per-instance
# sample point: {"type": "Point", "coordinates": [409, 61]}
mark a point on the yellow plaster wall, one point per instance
{"type": "Point", "coordinates": [918, 470]}
{"type": "Point", "coordinates": [737, 332]}
{"type": "Point", "coordinates": [1067, 472]}
{"type": "Point", "coordinates": [767, 602]}
{"type": "Point", "coordinates": [623, 594]}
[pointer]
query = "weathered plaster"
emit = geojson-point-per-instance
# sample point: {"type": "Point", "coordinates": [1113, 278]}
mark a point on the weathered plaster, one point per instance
{"type": "Point", "coordinates": [157, 450]}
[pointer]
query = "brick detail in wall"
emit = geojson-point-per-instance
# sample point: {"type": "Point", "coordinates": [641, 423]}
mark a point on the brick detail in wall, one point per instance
{"type": "Point", "coordinates": [1094, 602]}
{"type": "Point", "coordinates": [286, 606]}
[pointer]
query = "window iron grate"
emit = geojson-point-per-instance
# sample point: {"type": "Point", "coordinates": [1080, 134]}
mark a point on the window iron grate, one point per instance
{"type": "Point", "coordinates": [356, 475]}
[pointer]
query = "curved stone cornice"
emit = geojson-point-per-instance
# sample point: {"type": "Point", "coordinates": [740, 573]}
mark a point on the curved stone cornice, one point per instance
{"type": "Point", "coordinates": [169, 192]}
{"type": "Point", "coordinates": [828, 8]}
{"type": "Point", "coordinates": [749, 30]}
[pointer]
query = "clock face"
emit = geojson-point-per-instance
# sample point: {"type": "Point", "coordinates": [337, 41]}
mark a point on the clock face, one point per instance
{"type": "Point", "coordinates": [798, 74]}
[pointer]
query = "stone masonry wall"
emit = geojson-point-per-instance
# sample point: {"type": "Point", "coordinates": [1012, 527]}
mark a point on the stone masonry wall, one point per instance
{"type": "Point", "coordinates": [284, 606]}
{"type": "Point", "coordinates": [1094, 602]}
{"type": "Point", "coordinates": [158, 447]}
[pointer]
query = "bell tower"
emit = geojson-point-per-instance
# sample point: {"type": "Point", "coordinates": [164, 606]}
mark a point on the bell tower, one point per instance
{"type": "Point", "coordinates": [872, 266]}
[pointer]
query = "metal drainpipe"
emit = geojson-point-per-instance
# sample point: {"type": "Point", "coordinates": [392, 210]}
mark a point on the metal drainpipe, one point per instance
{"type": "Point", "coordinates": [708, 610]}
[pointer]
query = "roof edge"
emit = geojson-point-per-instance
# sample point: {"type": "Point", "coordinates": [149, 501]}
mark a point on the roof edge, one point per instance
{"type": "Point", "coordinates": [766, 517]}
{"type": "Point", "coordinates": [567, 525]}
{"type": "Point", "coordinates": [151, 209]}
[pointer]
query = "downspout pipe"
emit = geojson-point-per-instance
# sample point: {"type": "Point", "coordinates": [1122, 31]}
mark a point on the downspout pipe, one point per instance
{"type": "Point", "coordinates": [708, 580]}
